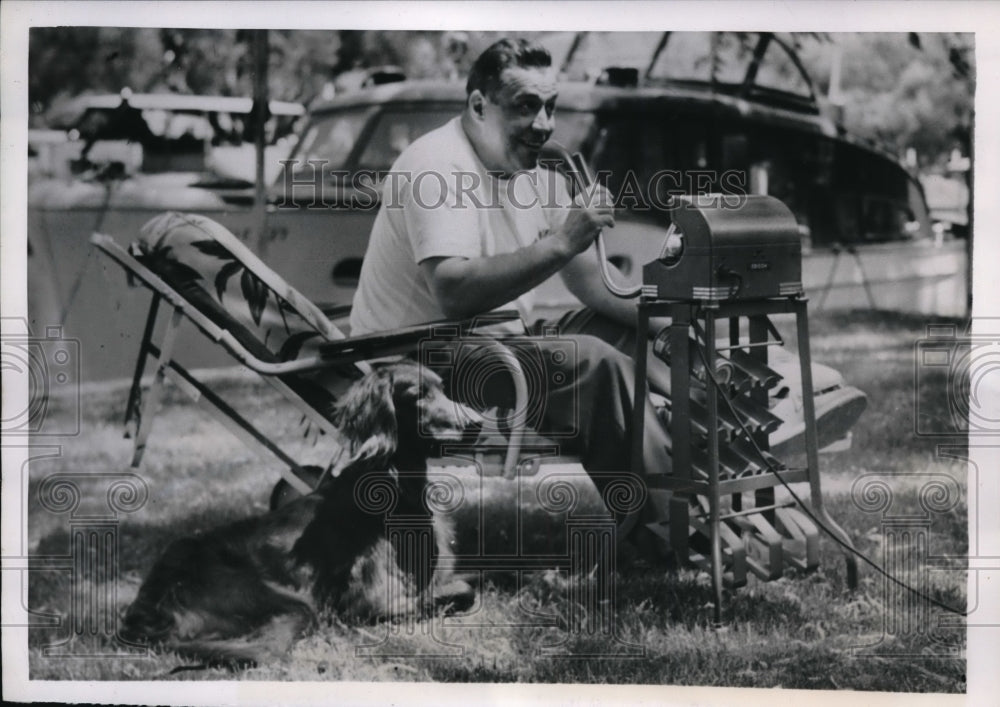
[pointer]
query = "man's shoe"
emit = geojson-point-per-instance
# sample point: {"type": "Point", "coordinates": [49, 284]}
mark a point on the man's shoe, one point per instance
{"type": "Point", "coordinates": [838, 405]}
{"type": "Point", "coordinates": [837, 410]}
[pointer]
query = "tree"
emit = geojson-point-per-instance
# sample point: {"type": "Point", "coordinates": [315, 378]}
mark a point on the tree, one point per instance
{"type": "Point", "coordinates": [66, 61]}
{"type": "Point", "coordinates": [901, 90]}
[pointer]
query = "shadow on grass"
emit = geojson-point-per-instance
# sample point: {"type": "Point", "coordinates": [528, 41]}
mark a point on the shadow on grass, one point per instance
{"type": "Point", "coordinates": [83, 571]}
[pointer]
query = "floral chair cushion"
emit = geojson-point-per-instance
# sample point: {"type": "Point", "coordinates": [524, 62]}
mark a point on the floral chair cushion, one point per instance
{"type": "Point", "coordinates": [207, 264]}
{"type": "Point", "coordinates": [224, 280]}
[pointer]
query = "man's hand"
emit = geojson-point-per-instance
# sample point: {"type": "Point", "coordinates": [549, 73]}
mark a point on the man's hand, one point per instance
{"type": "Point", "coordinates": [591, 211]}
{"type": "Point", "coordinates": [466, 287]}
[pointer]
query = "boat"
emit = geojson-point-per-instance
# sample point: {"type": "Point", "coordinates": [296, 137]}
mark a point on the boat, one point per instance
{"type": "Point", "coordinates": [752, 124]}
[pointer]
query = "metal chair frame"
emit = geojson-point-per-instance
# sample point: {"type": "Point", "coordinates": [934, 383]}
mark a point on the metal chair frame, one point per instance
{"type": "Point", "coordinates": [141, 409]}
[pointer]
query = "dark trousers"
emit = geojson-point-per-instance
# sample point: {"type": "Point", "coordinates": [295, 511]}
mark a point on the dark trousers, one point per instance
{"type": "Point", "coordinates": [581, 380]}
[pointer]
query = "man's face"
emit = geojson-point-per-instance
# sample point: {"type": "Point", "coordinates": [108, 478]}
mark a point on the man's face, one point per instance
{"type": "Point", "coordinates": [520, 119]}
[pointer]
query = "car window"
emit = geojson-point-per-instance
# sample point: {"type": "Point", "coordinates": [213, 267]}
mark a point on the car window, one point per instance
{"type": "Point", "coordinates": [395, 130]}
{"type": "Point", "coordinates": [173, 125]}
{"type": "Point", "coordinates": [331, 138]}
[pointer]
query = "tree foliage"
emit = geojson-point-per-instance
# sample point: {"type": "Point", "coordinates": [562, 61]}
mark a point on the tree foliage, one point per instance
{"type": "Point", "coordinates": [902, 90]}
{"type": "Point", "coordinates": [64, 62]}
{"type": "Point", "coordinates": [67, 61]}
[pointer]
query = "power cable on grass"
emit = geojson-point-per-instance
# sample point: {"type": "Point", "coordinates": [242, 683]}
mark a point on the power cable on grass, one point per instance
{"type": "Point", "coordinates": [767, 465]}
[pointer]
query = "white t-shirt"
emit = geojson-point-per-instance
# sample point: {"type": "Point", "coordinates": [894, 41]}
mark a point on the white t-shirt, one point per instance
{"type": "Point", "coordinates": [439, 201]}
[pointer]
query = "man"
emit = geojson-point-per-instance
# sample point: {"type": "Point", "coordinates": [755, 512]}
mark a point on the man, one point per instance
{"type": "Point", "coordinates": [468, 224]}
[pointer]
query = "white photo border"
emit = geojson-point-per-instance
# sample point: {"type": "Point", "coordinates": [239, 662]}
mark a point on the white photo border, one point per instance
{"type": "Point", "coordinates": [983, 19]}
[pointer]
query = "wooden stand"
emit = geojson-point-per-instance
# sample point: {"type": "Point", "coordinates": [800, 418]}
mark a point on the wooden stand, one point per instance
{"type": "Point", "coordinates": [723, 513]}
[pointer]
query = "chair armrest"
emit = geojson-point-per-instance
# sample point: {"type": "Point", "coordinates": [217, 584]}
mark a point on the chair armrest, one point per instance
{"type": "Point", "coordinates": [362, 348]}
{"type": "Point", "coordinates": [349, 350]}
{"type": "Point", "coordinates": [398, 341]}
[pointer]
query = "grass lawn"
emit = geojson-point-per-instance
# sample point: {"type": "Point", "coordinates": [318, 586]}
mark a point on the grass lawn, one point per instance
{"type": "Point", "coordinates": [801, 631]}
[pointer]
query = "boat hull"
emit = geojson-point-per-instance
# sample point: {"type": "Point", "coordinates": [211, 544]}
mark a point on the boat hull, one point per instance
{"type": "Point", "coordinates": [72, 286]}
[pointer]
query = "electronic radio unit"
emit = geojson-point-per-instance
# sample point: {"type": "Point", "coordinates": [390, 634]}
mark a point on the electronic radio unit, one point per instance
{"type": "Point", "coordinates": [727, 247]}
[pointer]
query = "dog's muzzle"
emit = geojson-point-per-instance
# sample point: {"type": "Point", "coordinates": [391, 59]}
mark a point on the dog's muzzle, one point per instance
{"type": "Point", "coordinates": [468, 417]}
{"type": "Point", "coordinates": [474, 422]}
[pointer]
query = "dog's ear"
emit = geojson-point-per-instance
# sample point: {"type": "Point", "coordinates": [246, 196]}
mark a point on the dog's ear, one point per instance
{"type": "Point", "coordinates": [367, 417]}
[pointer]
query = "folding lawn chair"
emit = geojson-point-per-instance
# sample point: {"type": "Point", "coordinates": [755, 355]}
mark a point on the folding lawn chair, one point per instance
{"type": "Point", "coordinates": [204, 274]}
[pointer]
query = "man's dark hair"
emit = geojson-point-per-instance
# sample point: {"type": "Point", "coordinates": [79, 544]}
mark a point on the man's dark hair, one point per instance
{"type": "Point", "coordinates": [485, 72]}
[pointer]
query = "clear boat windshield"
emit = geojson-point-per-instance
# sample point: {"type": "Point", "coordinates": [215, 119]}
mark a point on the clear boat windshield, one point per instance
{"type": "Point", "coordinates": [722, 58]}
